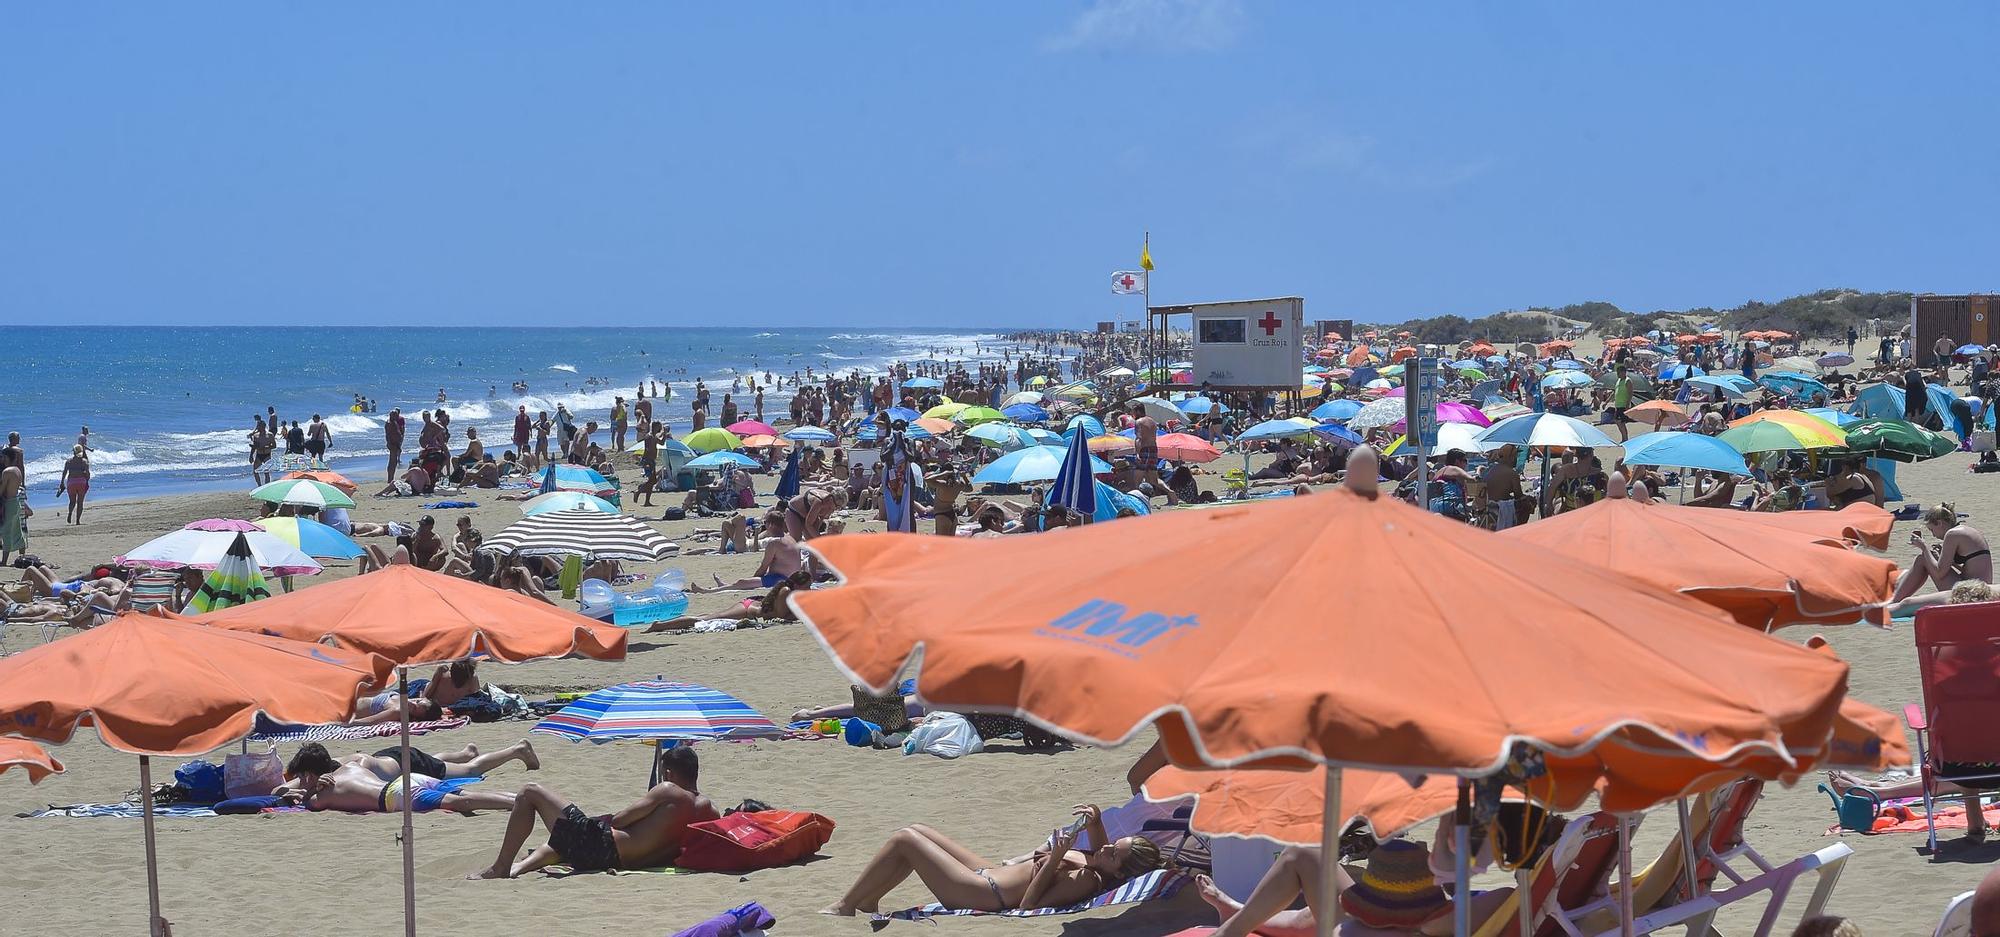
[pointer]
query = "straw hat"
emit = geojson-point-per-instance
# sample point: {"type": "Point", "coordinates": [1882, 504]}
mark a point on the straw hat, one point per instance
{"type": "Point", "coordinates": [1396, 889]}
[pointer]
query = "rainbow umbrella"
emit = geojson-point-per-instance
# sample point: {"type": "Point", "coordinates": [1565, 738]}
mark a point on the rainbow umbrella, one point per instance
{"type": "Point", "coordinates": [313, 538]}
{"type": "Point", "coordinates": [1781, 431]}
{"type": "Point", "coordinates": [658, 709]}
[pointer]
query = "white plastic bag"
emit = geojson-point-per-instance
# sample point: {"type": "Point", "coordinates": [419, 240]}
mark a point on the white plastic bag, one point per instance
{"type": "Point", "coordinates": [946, 735]}
{"type": "Point", "coordinates": [253, 774]}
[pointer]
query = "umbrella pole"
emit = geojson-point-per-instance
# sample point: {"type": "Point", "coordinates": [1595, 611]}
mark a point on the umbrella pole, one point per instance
{"type": "Point", "coordinates": [155, 925]}
{"type": "Point", "coordinates": [1687, 849]}
{"type": "Point", "coordinates": [1624, 877]}
{"type": "Point", "coordinates": [1331, 819]}
{"type": "Point", "coordinates": [409, 845]}
{"type": "Point", "coordinates": [1461, 844]}
{"type": "Point", "coordinates": [1524, 899]}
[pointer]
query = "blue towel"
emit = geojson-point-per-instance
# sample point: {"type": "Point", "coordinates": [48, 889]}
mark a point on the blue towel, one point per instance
{"type": "Point", "coordinates": [241, 805]}
{"type": "Point", "coordinates": [450, 504]}
{"type": "Point", "coordinates": [733, 922]}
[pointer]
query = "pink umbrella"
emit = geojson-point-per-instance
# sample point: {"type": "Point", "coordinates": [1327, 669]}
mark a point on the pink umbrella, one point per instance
{"type": "Point", "coordinates": [1182, 447]}
{"type": "Point", "coordinates": [1451, 411]}
{"type": "Point", "coordinates": [752, 428]}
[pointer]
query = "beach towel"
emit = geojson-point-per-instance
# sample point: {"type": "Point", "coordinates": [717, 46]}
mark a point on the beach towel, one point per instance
{"type": "Point", "coordinates": [1159, 883]}
{"type": "Point", "coordinates": [563, 871]}
{"type": "Point", "coordinates": [268, 730]}
{"type": "Point", "coordinates": [438, 505]}
{"type": "Point", "coordinates": [119, 810]}
{"type": "Point", "coordinates": [740, 921]}
{"type": "Point", "coordinates": [1948, 818]}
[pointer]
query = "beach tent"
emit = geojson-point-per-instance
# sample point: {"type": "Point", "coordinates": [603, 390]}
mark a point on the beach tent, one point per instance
{"type": "Point", "coordinates": [154, 685]}
{"type": "Point", "coordinates": [1885, 401]}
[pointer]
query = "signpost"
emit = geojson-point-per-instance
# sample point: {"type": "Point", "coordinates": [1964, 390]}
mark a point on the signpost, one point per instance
{"type": "Point", "coordinates": [1420, 422]}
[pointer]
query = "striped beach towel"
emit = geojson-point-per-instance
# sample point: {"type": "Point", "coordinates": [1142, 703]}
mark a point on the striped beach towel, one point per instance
{"type": "Point", "coordinates": [1159, 883]}
{"type": "Point", "coordinates": [267, 730]}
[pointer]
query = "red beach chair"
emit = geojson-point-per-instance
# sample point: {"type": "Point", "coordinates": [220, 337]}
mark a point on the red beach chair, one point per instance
{"type": "Point", "coordinates": [1958, 726]}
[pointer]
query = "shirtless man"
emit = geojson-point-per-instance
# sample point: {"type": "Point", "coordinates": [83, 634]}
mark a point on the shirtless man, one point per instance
{"type": "Point", "coordinates": [645, 835]}
{"type": "Point", "coordinates": [1146, 454]}
{"type": "Point", "coordinates": [542, 427]}
{"type": "Point", "coordinates": [13, 506]}
{"type": "Point", "coordinates": [427, 548]}
{"type": "Point", "coordinates": [320, 783]}
{"type": "Point", "coordinates": [262, 441]}
{"type": "Point", "coordinates": [649, 461]}
{"type": "Point", "coordinates": [318, 437]}
{"type": "Point", "coordinates": [579, 444]}
{"type": "Point", "coordinates": [392, 434]}
{"type": "Point", "coordinates": [1503, 486]}
{"type": "Point", "coordinates": [782, 558]}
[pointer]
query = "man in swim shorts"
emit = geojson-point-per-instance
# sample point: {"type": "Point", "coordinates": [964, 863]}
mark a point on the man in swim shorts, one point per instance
{"type": "Point", "coordinates": [320, 783]}
{"type": "Point", "coordinates": [644, 835]}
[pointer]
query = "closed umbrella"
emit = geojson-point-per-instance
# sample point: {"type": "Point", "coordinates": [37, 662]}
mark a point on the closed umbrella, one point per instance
{"type": "Point", "coordinates": [1075, 486]}
{"type": "Point", "coordinates": [565, 501]}
{"type": "Point", "coordinates": [311, 537]}
{"type": "Point", "coordinates": [202, 545]}
{"type": "Point", "coordinates": [29, 757]}
{"type": "Point", "coordinates": [582, 532]}
{"type": "Point", "coordinates": [234, 581]}
{"type": "Point", "coordinates": [657, 709]}
{"type": "Point", "coordinates": [302, 492]}
{"type": "Point", "coordinates": [788, 482]}
{"type": "Point", "coordinates": [712, 439]}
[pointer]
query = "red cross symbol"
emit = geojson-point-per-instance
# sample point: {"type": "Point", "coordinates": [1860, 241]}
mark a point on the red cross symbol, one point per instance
{"type": "Point", "coordinates": [1127, 281]}
{"type": "Point", "coordinates": [1270, 322]}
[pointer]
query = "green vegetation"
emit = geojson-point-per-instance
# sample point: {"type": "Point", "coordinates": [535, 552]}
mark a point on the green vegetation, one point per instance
{"type": "Point", "coordinates": [1825, 313]}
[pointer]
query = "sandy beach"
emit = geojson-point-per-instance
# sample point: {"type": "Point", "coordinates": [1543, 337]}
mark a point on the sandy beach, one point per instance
{"type": "Point", "coordinates": [273, 873]}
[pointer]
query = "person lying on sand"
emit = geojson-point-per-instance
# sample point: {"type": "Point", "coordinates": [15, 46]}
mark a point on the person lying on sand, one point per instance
{"type": "Point", "coordinates": [962, 880]}
{"type": "Point", "coordinates": [320, 783]}
{"type": "Point", "coordinates": [771, 607]}
{"type": "Point", "coordinates": [644, 835]}
{"type": "Point", "coordinates": [782, 558]}
{"type": "Point", "coordinates": [389, 706]}
{"type": "Point", "coordinates": [467, 762]}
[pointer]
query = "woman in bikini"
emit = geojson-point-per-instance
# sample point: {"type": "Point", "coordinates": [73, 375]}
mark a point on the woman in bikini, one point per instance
{"type": "Point", "coordinates": [1961, 556]}
{"type": "Point", "coordinates": [962, 880]}
{"type": "Point", "coordinates": [806, 514]}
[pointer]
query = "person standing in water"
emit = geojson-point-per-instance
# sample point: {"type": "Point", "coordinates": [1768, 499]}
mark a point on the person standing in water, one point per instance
{"type": "Point", "coordinates": [392, 435]}
{"type": "Point", "coordinates": [75, 481]}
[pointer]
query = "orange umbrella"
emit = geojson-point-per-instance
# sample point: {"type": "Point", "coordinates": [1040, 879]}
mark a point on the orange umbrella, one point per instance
{"type": "Point", "coordinates": [1481, 348]}
{"type": "Point", "coordinates": [1402, 353]}
{"type": "Point", "coordinates": [1290, 806]}
{"type": "Point", "coordinates": [1775, 334]}
{"type": "Point", "coordinates": [936, 426]}
{"type": "Point", "coordinates": [1658, 412]}
{"type": "Point", "coordinates": [326, 477]}
{"type": "Point", "coordinates": [1358, 356]}
{"type": "Point", "coordinates": [413, 616]}
{"type": "Point", "coordinates": [1764, 578]}
{"type": "Point", "coordinates": [1860, 523]}
{"type": "Point", "coordinates": [29, 757]}
{"type": "Point", "coordinates": [1111, 444]}
{"type": "Point", "coordinates": [763, 442]}
{"type": "Point", "coordinates": [158, 686]}
{"type": "Point", "coordinates": [1112, 641]}
{"type": "Point", "coordinates": [1187, 447]}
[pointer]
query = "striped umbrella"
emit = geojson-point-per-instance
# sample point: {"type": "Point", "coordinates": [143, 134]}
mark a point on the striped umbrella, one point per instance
{"type": "Point", "coordinates": [203, 545]}
{"type": "Point", "coordinates": [303, 492]}
{"type": "Point", "coordinates": [313, 538]}
{"type": "Point", "coordinates": [234, 582]}
{"type": "Point", "coordinates": [584, 532]}
{"type": "Point", "coordinates": [658, 709]}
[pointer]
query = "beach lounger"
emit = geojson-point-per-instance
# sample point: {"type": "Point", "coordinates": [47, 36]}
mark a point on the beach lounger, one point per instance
{"type": "Point", "coordinates": [1958, 725]}
{"type": "Point", "coordinates": [1567, 881]}
{"type": "Point", "coordinates": [153, 589]}
{"type": "Point", "coordinates": [1957, 920]}
{"type": "Point", "coordinates": [1159, 883]}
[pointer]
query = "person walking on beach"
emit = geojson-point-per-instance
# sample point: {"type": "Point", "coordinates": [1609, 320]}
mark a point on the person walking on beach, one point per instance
{"type": "Point", "coordinates": [618, 424]}
{"type": "Point", "coordinates": [728, 410]}
{"type": "Point", "coordinates": [75, 481]}
{"type": "Point", "coordinates": [523, 429]}
{"type": "Point", "coordinates": [318, 437]}
{"type": "Point", "coordinates": [392, 434]}
{"type": "Point", "coordinates": [295, 440]}
{"type": "Point", "coordinates": [263, 440]}
{"type": "Point", "coordinates": [700, 414]}
{"type": "Point", "coordinates": [649, 461]}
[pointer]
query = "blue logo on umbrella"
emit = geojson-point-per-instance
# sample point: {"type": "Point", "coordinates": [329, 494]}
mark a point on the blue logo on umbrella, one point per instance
{"type": "Point", "coordinates": [1105, 625]}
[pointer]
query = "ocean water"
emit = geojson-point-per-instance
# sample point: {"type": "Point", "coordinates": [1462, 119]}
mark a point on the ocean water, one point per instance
{"type": "Point", "coordinates": [170, 408]}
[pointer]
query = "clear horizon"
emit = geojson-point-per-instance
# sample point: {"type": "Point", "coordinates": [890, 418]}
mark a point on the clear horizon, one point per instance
{"type": "Point", "coordinates": [944, 166]}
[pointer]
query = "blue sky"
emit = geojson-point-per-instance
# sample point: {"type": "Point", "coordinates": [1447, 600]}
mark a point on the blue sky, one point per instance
{"type": "Point", "coordinates": [973, 164]}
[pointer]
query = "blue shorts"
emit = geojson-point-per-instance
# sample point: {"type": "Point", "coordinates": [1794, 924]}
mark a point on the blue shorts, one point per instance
{"type": "Point", "coordinates": [770, 579]}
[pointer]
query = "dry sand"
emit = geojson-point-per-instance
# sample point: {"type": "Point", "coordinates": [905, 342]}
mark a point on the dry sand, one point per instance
{"type": "Point", "coordinates": [300, 873]}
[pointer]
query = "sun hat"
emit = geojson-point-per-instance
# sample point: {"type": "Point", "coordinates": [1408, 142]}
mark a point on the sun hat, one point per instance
{"type": "Point", "coordinates": [1396, 890]}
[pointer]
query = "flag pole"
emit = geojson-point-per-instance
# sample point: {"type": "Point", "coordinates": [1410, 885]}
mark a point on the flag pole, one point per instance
{"type": "Point", "coordinates": [1156, 339]}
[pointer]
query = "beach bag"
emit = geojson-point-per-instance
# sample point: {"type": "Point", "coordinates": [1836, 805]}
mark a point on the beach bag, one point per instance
{"type": "Point", "coordinates": [202, 782]}
{"type": "Point", "coordinates": [744, 842]}
{"type": "Point", "coordinates": [253, 774]}
{"type": "Point", "coordinates": [946, 735]}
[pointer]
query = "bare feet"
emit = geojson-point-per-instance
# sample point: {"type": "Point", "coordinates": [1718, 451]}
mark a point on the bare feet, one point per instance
{"type": "Point", "coordinates": [1216, 897]}
{"type": "Point", "coordinates": [837, 911]}
{"type": "Point", "coordinates": [529, 759]}
{"type": "Point", "coordinates": [471, 750]}
{"type": "Point", "coordinates": [485, 873]}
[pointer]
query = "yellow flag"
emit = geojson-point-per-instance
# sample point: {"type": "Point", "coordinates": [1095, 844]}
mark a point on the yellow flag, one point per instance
{"type": "Point", "coordinates": [1146, 256]}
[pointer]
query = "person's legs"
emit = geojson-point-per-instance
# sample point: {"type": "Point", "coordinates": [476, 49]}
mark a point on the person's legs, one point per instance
{"type": "Point", "coordinates": [533, 802]}
{"type": "Point", "coordinates": [1288, 923]}
{"type": "Point", "coordinates": [1922, 569]}
{"type": "Point", "coordinates": [955, 884]}
{"type": "Point", "coordinates": [467, 801]}
{"type": "Point", "coordinates": [40, 580]}
{"type": "Point", "coordinates": [970, 859]}
{"type": "Point", "coordinates": [1296, 872]}
{"type": "Point", "coordinates": [479, 765]}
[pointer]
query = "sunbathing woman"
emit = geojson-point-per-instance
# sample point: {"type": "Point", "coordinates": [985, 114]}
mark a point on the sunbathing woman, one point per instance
{"type": "Point", "coordinates": [1961, 556]}
{"type": "Point", "coordinates": [962, 880]}
{"type": "Point", "coordinates": [771, 607]}
{"type": "Point", "coordinates": [389, 706]}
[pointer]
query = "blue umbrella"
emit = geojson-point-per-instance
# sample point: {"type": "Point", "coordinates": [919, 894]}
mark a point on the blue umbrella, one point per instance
{"type": "Point", "coordinates": [1272, 429]}
{"type": "Point", "coordinates": [1564, 380]}
{"type": "Point", "coordinates": [658, 710]}
{"type": "Point", "coordinates": [574, 478]}
{"type": "Point", "coordinates": [720, 458]}
{"type": "Point", "coordinates": [1734, 385]}
{"type": "Point", "coordinates": [1339, 435]}
{"type": "Point", "coordinates": [892, 414]}
{"type": "Point", "coordinates": [929, 383]}
{"type": "Point", "coordinates": [1496, 359]}
{"type": "Point", "coordinates": [873, 431]}
{"type": "Point", "coordinates": [1026, 413]}
{"type": "Point", "coordinates": [1341, 409]}
{"type": "Point", "coordinates": [1200, 405]}
{"type": "Point", "coordinates": [1684, 450]}
{"type": "Point", "coordinates": [810, 434]}
{"type": "Point", "coordinates": [1968, 349]}
{"type": "Point", "coordinates": [1833, 416]}
{"type": "Point", "coordinates": [1794, 383]}
{"type": "Point", "coordinates": [1089, 425]}
{"type": "Point", "coordinates": [315, 539]}
{"type": "Point", "coordinates": [788, 483]}
{"type": "Point", "coordinates": [564, 501]}
{"type": "Point", "coordinates": [1110, 500]}
{"type": "Point", "coordinates": [1074, 487]}
{"type": "Point", "coordinates": [1033, 464]}
{"type": "Point", "coordinates": [1680, 372]}
{"type": "Point", "coordinates": [1569, 364]}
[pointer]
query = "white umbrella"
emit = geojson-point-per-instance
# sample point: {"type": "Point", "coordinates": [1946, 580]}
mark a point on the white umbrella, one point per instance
{"type": "Point", "coordinates": [1543, 429]}
{"type": "Point", "coordinates": [583, 532]}
{"type": "Point", "coordinates": [1159, 409]}
{"type": "Point", "coordinates": [203, 544]}
{"type": "Point", "coordinates": [1382, 412]}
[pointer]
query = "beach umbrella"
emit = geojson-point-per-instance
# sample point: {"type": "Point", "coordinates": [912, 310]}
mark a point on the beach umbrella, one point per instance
{"type": "Point", "coordinates": [163, 686]}
{"type": "Point", "coordinates": [1897, 440]}
{"type": "Point", "coordinates": [1781, 430]}
{"type": "Point", "coordinates": [1685, 450]}
{"type": "Point", "coordinates": [1543, 429]}
{"type": "Point", "coordinates": [1568, 364]}
{"type": "Point", "coordinates": [304, 493]}
{"type": "Point", "coordinates": [1184, 447]}
{"type": "Point", "coordinates": [1075, 487]}
{"type": "Point", "coordinates": [324, 477]}
{"type": "Point", "coordinates": [752, 428]}
{"type": "Point", "coordinates": [1116, 372]}
{"type": "Point", "coordinates": [1290, 806]}
{"type": "Point", "coordinates": [1836, 417]}
{"type": "Point", "coordinates": [1729, 385]}
{"type": "Point", "coordinates": [1452, 411]}
{"type": "Point", "coordinates": [29, 757]}
{"type": "Point", "coordinates": [1202, 406]}
{"type": "Point", "coordinates": [1026, 396]}
{"type": "Point", "coordinates": [933, 425]}
{"type": "Point", "coordinates": [973, 416]}
{"type": "Point", "coordinates": [1161, 410]}
{"type": "Point", "coordinates": [1338, 435]}
{"type": "Point", "coordinates": [945, 411]}
{"type": "Point", "coordinates": [1839, 359]}
{"type": "Point", "coordinates": [1567, 380]}
{"type": "Point", "coordinates": [1272, 429]}
{"type": "Point", "coordinates": [1762, 577]}
{"type": "Point", "coordinates": [311, 537]}
{"type": "Point", "coordinates": [234, 581]}
{"type": "Point", "coordinates": [1084, 424]}
{"type": "Point", "coordinates": [300, 462]}
{"type": "Point", "coordinates": [1452, 437]}
{"type": "Point", "coordinates": [765, 442]}
{"type": "Point", "coordinates": [203, 544]}
{"type": "Point", "coordinates": [657, 709]}
{"type": "Point", "coordinates": [712, 439]}
{"type": "Point", "coordinates": [720, 458]}
{"type": "Point", "coordinates": [1385, 412]}
{"type": "Point", "coordinates": [1033, 464]}
{"type": "Point", "coordinates": [1679, 372]}
{"type": "Point", "coordinates": [562, 477]}
{"type": "Point", "coordinates": [1110, 445]}
{"type": "Point", "coordinates": [869, 431]}
{"type": "Point", "coordinates": [1000, 435]}
{"type": "Point", "coordinates": [1968, 349]}
{"type": "Point", "coordinates": [567, 501]}
{"type": "Point", "coordinates": [1340, 409]}
{"type": "Point", "coordinates": [1500, 408]}
{"type": "Point", "coordinates": [809, 434]}
{"type": "Point", "coordinates": [585, 532]}
{"type": "Point", "coordinates": [924, 383]}
{"type": "Point", "coordinates": [1474, 374]}
{"type": "Point", "coordinates": [1657, 412]}
{"type": "Point", "coordinates": [1194, 662]}
{"type": "Point", "coordinates": [1789, 382]}
{"type": "Point", "coordinates": [1040, 437]}
{"type": "Point", "coordinates": [1026, 413]}
{"type": "Point", "coordinates": [1861, 523]}
{"type": "Point", "coordinates": [893, 414]}
{"type": "Point", "coordinates": [788, 481]}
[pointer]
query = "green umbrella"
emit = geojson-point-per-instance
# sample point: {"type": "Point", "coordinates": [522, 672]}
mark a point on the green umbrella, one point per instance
{"type": "Point", "coordinates": [303, 492]}
{"type": "Point", "coordinates": [1771, 436]}
{"type": "Point", "coordinates": [1473, 373]}
{"type": "Point", "coordinates": [1899, 440]}
{"type": "Point", "coordinates": [712, 439]}
{"type": "Point", "coordinates": [973, 416]}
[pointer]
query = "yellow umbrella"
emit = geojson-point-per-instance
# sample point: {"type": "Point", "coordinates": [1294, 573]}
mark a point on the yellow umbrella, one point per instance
{"type": "Point", "coordinates": [945, 411]}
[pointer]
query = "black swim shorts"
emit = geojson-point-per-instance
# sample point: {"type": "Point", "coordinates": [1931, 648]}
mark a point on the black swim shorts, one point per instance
{"type": "Point", "coordinates": [584, 842]}
{"type": "Point", "coordinates": [421, 762]}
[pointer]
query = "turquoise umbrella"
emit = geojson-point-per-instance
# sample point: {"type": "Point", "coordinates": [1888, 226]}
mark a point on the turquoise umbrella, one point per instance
{"type": "Point", "coordinates": [1033, 464]}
